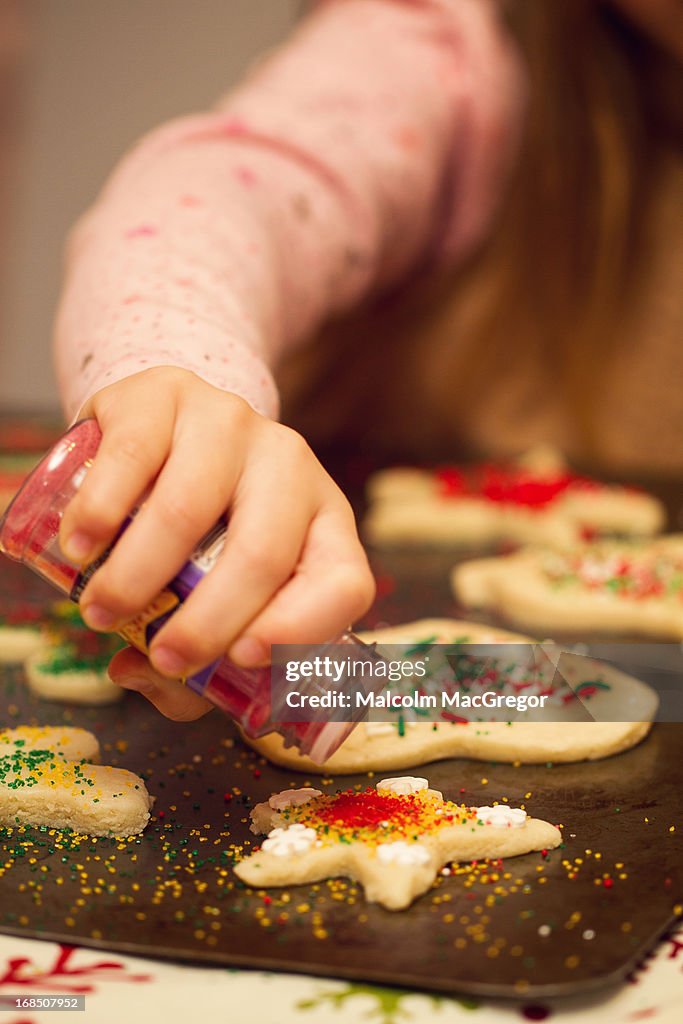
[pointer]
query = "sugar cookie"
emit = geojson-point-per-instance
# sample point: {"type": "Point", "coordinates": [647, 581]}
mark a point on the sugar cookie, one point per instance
{"type": "Point", "coordinates": [607, 587]}
{"type": "Point", "coordinates": [70, 743]}
{"type": "Point", "coordinates": [394, 843]}
{"type": "Point", "coordinates": [21, 630]}
{"type": "Point", "coordinates": [71, 665]}
{"type": "Point", "coordinates": [535, 500]}
{"type": "Point", "coordinates": [45, 780]}
{"type": "Point", "coordinates": [399, 743]}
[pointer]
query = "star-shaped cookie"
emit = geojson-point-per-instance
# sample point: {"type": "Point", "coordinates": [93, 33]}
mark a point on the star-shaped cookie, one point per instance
{"type": "Point", "coordinates": [394, 839]}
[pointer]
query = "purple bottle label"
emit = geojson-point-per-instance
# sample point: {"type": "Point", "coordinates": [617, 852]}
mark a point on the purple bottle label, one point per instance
{"type": "Point", "coordinates": [202, 560]}
{"type": "Point", "coordinates": [141, 630]}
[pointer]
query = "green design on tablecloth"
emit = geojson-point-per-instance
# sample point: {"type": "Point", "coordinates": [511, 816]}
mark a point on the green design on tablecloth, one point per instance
{"type": "Point", "coordinates": [388, 1008]}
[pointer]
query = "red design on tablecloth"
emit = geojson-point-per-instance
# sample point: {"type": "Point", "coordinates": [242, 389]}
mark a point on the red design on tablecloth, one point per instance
{"type": "Point", "coordinates": [675, 944]}
{"type": "Point", "coordinates": [21, 973]}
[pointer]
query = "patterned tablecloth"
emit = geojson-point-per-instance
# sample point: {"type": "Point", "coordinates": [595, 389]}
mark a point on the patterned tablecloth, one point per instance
{"type": "Point", "coordinates": [119, 988]}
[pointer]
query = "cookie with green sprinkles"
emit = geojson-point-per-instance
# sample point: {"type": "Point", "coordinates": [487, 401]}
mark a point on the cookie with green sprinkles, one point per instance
{"type": "Point", "coordinates": [71, 664]}
{"type": "Point", "coordinates": [44, 782]}
{"type": "Point", "coordinates": [393, 839]}
{"type": "Point", "coordinates": [70, 743]}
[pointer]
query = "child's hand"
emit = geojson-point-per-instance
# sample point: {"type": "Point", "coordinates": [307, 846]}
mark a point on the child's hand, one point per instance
{"type": "Point", "coordinates": [292, 570]}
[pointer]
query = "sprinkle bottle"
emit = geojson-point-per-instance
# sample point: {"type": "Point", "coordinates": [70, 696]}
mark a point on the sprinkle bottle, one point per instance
{"type": "Point", "coordinates": [29, 533]}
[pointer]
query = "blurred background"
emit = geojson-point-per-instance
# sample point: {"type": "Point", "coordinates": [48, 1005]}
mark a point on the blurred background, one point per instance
{"type": "Point", "coordinates": [80, 80]}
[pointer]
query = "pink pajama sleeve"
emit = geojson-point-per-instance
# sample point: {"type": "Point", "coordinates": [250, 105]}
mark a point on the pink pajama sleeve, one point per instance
{"type": "Point", "coordinates": [376, 138]}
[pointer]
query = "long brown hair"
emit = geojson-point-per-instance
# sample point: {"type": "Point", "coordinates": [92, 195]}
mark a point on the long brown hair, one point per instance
{"type": "Point", "coordinates": [546, 286]}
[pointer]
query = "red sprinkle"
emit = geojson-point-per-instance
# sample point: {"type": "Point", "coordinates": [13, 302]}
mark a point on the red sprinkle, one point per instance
{"type": "Point", "coordinates": [366, 810]}
{"type": "Point", "coordinates": [349, 813]}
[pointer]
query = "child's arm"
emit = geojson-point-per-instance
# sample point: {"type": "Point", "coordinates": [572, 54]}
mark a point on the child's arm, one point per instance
{"type": "Point", "coordinates": [378, 134]}
{"type": "Point", "coordinates": [375, 138]}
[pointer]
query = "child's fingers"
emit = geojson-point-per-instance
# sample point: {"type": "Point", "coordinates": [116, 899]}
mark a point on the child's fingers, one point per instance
{"type": "Point", "coordinates": [189, 496]}
{"type": "Point", "coordinates": [266, 533]}
{"type": "Point", "coordinates": [133, 449]}
{"type": "Point", "coordinates": [332, 587]}
{"type": "Point", "coordinates": [131, 670]}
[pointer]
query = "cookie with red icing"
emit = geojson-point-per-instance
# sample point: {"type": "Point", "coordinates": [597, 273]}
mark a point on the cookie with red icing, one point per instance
{"type": "Point", "coordinates": [534, 500]}
{"type": "Point", "coordinates": [600, 587]}
{"type": "Point", "coordinates": [393, 839]}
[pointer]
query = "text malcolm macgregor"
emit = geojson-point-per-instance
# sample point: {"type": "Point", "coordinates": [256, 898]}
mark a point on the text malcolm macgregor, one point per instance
{"type": "Point", "coordinates": [388, 699]}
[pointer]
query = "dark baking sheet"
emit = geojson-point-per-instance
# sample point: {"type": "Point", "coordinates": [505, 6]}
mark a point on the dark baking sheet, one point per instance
{"type": "Point", "coordinates": [547, 927]}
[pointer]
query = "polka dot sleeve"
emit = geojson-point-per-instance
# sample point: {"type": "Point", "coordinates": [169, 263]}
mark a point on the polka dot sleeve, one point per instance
{"type": "Point", "coordinates": [376, 138]}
